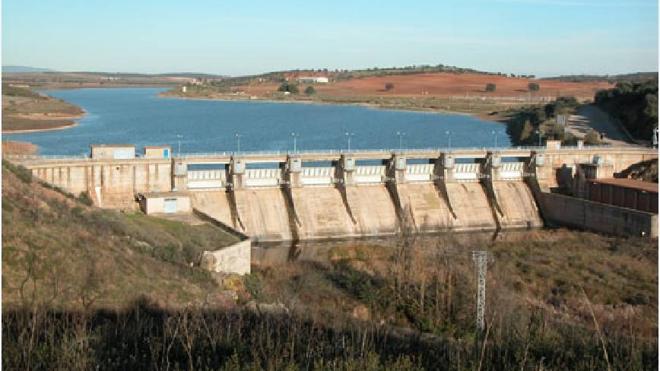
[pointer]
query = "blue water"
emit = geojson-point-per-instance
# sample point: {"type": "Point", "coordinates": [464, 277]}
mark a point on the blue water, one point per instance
{"type": "Point", "coordinates": [138, 116]}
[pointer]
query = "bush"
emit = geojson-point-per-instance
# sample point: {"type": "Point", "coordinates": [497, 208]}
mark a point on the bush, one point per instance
{"type": "Point", "coordinates": [310, 90]}
{"type": "Point", "coordinates": [490, 87]}
{"type": "Point", "coordinates": [592, 137]}
{"type": "Point", "coordinates": [389, 86]}
{"type": "Point", "coordinates": [288, 87]}
{"type": "Point", "coordinates": [532, 86]}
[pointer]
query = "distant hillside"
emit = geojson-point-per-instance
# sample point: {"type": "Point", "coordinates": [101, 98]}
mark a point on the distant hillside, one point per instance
{"type": "Point", "coordinates": [23, 69]}
{"type": "Point", "coordinates": [630, 77]}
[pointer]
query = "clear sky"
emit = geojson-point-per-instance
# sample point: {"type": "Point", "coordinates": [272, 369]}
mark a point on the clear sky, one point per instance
{"type": "Point", "coordinates": [542, 37]}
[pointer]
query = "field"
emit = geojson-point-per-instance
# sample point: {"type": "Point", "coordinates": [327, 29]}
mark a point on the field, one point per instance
{"type": "Point", "coordinates": [438, 91]}
{"type": "Point", "coordinates": [445, 85]}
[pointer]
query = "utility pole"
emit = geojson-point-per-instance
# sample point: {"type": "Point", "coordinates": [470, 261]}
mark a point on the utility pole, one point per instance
{"type": "Point", "coordinates": [480, 259]}
{"type": "Point", "coordinates": [179, 136]}
{"type": "Point", "coordinates": [448, 133]}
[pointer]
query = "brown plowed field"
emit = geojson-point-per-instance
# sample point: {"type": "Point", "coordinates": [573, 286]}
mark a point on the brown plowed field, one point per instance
{"type": "Point", "coordinates": [444, 85]}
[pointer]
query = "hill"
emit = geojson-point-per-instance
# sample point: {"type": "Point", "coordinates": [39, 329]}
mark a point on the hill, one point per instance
{"type": "Point", "coordinates": [25, 110]}
{"type": "Point", "coordinates": [23, 69]}
{"type": "Point", "coordinates": [58, 251]}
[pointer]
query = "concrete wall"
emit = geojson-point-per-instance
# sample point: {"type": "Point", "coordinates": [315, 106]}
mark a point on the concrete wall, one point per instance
{"type": "Point", "coordinates": [231, 259]}
{"type": "Point", "coordinates": [610, 219]}
{"type": "Point", "coordinates": [110, 183]}
{"type": "Point", "coordinates": [156, 205]}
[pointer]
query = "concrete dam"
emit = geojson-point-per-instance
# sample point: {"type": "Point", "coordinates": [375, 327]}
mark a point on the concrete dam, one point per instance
{"type": "Point", "coordinates": [334, 194]}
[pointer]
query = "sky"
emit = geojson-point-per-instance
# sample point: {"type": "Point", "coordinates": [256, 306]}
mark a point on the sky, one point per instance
{"type": "Point", "coordinates": [540, 37]}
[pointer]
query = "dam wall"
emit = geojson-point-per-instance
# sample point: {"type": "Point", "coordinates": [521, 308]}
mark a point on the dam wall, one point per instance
{"type": "Point", "coordinates": [322, 195]}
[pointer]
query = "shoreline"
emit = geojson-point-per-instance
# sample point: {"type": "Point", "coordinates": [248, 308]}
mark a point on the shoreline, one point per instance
{"type": "Point", "coordinates": [75, 122]}
{"type": "Point", "coordinates": [24, 131]}
{"type": "Point", "coordinates": [481, 116]}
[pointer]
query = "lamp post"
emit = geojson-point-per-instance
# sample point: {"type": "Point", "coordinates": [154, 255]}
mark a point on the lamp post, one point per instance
{"type": "Point", "coordinates": [538, 134]}
{"type": "Point", "coordinates": [348, 138]}
{"type": "Point", "coordinates": [495, 137]}
{"type": "Point", "coordinates": [295, 137]}
{"type": "Point", "coordinates": [238, 142]}
{"type": "Point", "coordinates": [400, 134]}
{"type": "Point", "coordinates": [448, 133]}
{"type": "Point", "coordinates": [178, 137]}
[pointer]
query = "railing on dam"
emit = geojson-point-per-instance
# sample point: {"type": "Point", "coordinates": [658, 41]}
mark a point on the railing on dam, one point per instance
{"type": "Point", "coordinates": [263, 177]}
{"type": "Point", "coordinates": [317, 175]}
{"type": "Point", "coordinates": [200, 179]}
{"type": "Point", "coordinates": [511, 170]}
{"type": "Point", "coordinates": [370, 174]}
{"type": "Point", "coordinates": [419, 172]}
{"type": "Point", "coordinates": [224, 156]}
{"type": "Point", "coordinates": [466, 172]}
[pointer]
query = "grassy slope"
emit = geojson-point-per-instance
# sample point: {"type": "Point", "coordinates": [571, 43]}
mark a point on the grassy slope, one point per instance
{"type": "Point", "coordinates": [536, 271]}
{"type": "Point", "coordinates": [63, 251]}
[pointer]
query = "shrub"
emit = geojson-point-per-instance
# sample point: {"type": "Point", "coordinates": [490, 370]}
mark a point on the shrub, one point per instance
{"type": "Point", "coordinates": [288, 87]}
{"type": "Point", "coordinates": [592, 137]}
{"type": "Point", "coordinates": [310, 90]}
{"type": "Point", "coordinates": [490, 87]}
{"type": "Point", "coordinates": [532, 86]}
{"type": "Point", "coordinates": [389, 86]}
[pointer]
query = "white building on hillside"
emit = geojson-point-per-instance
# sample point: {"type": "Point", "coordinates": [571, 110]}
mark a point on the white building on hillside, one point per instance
{"type": "Point", "coordinates": [313, 80]}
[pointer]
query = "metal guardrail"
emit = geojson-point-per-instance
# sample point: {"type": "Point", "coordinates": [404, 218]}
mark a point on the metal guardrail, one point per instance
{"type": "Point", "coordinates": [185, 156]}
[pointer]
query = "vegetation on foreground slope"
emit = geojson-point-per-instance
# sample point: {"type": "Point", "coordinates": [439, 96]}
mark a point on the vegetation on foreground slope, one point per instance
{"type": "Point", "coordinates": [59, 251]}
{"type": "Point", "coordinates": [23, 109]}
{"type": "Point", "coordinates": [75, 280]}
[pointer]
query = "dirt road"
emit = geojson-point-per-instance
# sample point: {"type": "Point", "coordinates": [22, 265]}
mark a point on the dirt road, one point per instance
{"type": "Point", "coordinates": [591, 117]}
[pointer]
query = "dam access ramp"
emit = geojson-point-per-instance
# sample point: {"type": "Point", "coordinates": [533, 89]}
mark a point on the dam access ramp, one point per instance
{"type": "Point", "coordinates": [277, 196]}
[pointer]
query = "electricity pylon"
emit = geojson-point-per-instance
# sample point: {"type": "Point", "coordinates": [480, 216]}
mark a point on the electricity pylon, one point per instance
{"type": "Point", "coordinates": [480, 259]}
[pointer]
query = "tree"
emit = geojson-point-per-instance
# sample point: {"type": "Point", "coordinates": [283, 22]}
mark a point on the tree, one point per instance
{"type": "Point", "coordinates": [592, 137]}
{"type": "Point", "coordinates": [310, 90]}
{"type": "Point", "coordinates": [287, 87]}
{"type": "Point", "coordinates": [490, 87]}
{"type": "Point", "coordinates": [533, 86]}
{"type": "Point", "coordinates": [389, 86]}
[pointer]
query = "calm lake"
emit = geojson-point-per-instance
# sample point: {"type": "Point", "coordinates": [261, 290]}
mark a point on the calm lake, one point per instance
{"type": "Point", "coordinates": [139, 116]}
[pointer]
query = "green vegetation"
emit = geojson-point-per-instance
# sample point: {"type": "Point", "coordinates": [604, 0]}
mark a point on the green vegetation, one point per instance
{"type": "Point", "coordinates": [288, 87]}
{"type": "Point", "coordinates": [526, 124]}
{"type": "Point", "coordinates": [631, 77]}
{"type": "Point", "coordinates": [490, 87]}
{"type": "Point", "coordinates": [310, 90]}
{"type": "Point", "coordinates": [635, 104]}
{"type": "Point", "coordinates": [389, 86]}
{"type": "Point", "coordinates": [533, 87]}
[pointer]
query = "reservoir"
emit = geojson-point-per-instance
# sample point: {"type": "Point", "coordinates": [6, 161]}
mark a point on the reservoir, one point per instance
{"type": "Point", "coordinates": [140, 116]}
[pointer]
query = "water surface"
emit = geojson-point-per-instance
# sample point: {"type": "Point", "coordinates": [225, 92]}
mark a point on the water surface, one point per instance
{"type": "Point", "coordinates": [139, 116]}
